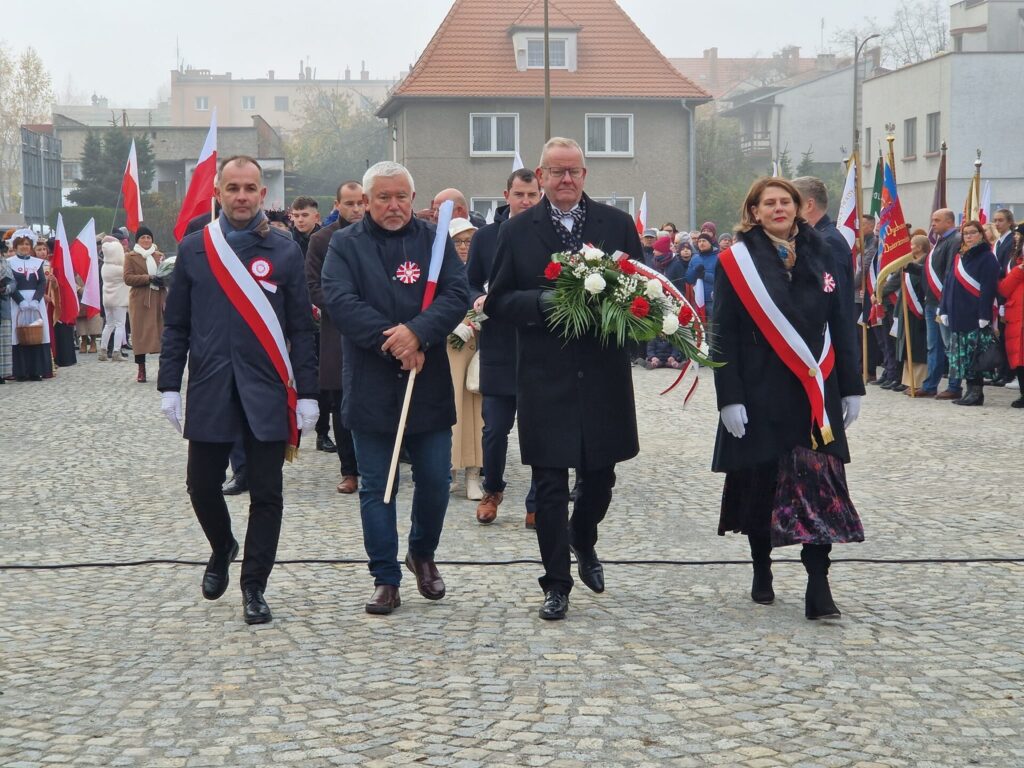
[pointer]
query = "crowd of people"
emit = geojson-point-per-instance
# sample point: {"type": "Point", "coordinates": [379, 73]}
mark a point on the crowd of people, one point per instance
{"type": "Point", "coordinates": [292, 322]}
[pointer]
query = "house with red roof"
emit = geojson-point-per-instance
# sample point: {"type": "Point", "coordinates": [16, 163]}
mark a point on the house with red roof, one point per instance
{"type": "Point", "coordinates": [475, 98]}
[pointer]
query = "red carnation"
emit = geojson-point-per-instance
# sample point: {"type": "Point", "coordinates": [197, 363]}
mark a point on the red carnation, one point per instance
{"type": "Point", "coordinates": [553, 270]}
{"type": "Point", "coordinates": [626, 266]}
{"type": "Point", "coordinates": [640, 307]}
{"type": "Point", "coordinates": [685, 315]}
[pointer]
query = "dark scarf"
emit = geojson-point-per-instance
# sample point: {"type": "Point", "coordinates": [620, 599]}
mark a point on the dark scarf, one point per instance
{"type": "Point", "coordinates": [571, 241]}
{"type": "Point", "coordinates": [661, 261]}
{"type": "Point", "coordinates": [249, 236]}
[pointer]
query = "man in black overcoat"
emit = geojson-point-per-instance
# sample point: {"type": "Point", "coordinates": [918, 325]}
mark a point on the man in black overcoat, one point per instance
{"type": "Point", "coordinates": [574, 397]}
{"type": "Point", "coordinates": [234, 391]}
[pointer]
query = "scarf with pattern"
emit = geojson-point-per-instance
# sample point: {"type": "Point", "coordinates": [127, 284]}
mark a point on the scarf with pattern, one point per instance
{"type": "Point", "coordinates": [572, 241]}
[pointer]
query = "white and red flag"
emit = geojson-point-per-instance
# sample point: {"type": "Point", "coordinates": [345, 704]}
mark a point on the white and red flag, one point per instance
{"type": "Point", "coordinates": [444, 217]}
{"type": "Point", "coordinates": [86, 264]}
{"type": "Point", "coordinates": [200, 188]}
{"type": "Point", "coordinates": [985, 203]}
{"type": "Point", "coordinates": [641, 215]}
{"type": "Point", "coordinates": [64, 272]}
{"type": "Point", "coordinates": [131, 191]}
{"type": "Point", "coordinates": [847, 220]}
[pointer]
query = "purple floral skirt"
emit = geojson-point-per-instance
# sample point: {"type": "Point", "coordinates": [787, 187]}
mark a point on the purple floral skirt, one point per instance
{"type": "Point", "coordinates": [800, 498]}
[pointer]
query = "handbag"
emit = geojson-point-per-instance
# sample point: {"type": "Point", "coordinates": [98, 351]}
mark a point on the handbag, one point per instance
{"type": "Point", "coordinates": [992, 358]}
{"type": "Point", "coordinates": [473, 373]}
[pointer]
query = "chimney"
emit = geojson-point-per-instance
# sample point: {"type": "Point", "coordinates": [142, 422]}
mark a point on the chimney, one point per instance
{"type": "Point", "coordinates": [825, 62]}
{"type": "Point", "coordinates": [711, 56]}
{"type": "Point", "coordinates": [309, 73]}
{"type": "Point", "coordinates": [791, 59]}
{"type": "Point", "coordinates": [270, 74]}
{"type": "Point", "coordinates": [348, 73]}
{"type": "Point", "coordinates": [363, 74]}
{"type": "Point", "coordinates": [300, 70]}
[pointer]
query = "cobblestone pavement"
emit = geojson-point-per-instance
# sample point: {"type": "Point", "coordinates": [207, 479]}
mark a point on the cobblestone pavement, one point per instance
{"type": "Point", "coordinates": [672, 666]}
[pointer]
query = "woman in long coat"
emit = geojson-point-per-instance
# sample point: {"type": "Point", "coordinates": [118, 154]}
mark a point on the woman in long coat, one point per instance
{"type": "Point", "coordinates": [1011, 288]}
{"type": "Point", "coordinates": [784, 399]}
{"type": "Point", "coordinates": [146, 299]}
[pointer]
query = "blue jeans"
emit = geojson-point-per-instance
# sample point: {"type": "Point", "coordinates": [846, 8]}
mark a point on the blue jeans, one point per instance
{"type": "Point", "coordinates": [431, 454]}
{"type": "Point", "coordinates": [936, 351]}
{"type": "Point", "coordinates": [947, 340]}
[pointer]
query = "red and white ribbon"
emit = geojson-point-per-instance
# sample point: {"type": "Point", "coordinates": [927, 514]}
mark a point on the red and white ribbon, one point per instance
{"type": "Point", "coordinates": [934, 283]}
{"type": "Point", "coordinates": [963, 277]}
{"type": "Point", "coordinates": [913, 302]}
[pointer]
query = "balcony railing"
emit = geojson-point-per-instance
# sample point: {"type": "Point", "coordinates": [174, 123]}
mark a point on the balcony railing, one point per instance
{"type": "Point", "coordinates": [756, 144]}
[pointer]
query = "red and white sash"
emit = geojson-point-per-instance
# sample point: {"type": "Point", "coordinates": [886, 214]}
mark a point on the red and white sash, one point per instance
{"type": "Point", "coordinates": [252, 304]}
{"type": "Point", "coordinates": [913, 302]}
{"type": "Point", "coordinates": [783, 338]}
{"type": "Point", "coordinates": [934, 283]}
{"type": "Point", "coordinates": [970, 285]}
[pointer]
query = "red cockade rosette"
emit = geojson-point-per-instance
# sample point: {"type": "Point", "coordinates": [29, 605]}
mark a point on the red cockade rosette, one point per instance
{"type": "Point", "coordinates": [621, 300]}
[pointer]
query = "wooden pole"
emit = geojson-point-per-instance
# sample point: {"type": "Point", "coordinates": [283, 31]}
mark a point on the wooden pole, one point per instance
{"type": "Point", "coordinates": [906, 332]}
{"type": "Point", "coordinates": [393, 469]}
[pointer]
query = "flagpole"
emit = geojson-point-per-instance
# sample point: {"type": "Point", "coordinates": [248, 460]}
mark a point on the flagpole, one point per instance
{"type": "Point", "coordinates": [117, 205]}
{"type": "Point", "coordinates": [393, 468]}
{"type": "Point", "coordinates": [906, 332]}
{"type": "Point", "coordinates": [855, 159]}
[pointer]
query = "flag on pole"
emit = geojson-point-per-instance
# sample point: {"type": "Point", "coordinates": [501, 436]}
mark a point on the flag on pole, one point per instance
{"type": "Point", "coordinates": [131, 192]}
{"type": "Point", "coordinates": [641, 215]}
{"type": "Point", "coordinates": [985, 203]}
{"type": "Point", "coordinates": [846, 222]}
{"type": "Point", "coordinates": [776, 169]}
{"type": "Point", "coordinates": [939, 196]}
{"type": "Point", "coordinates": [489, 218]}
{"type": "Point", "coordinates": [876, 189]}
{"type": "Point", "coordinates": [893, 236]}
{"type": "Point", "coordinates": [444, 218]}
{"type": "Point", "coordinates": [86, 264]}
{"type": "Point", "coordinates": [517, 163]}
{"type": "Point", "coordinates": [200, 187]}
{"type": "Point", "coordinates": [64, 272]}
{"type": "Point", "coordinates": [973, 195]}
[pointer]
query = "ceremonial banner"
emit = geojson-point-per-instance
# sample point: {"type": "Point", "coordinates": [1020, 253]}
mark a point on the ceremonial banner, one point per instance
{"type": "Point", "coordinates": [847, 222]}
{"type": "Point", "coordinates": [939, 196]}
{"type": "Point", "coordinates": [200, 188]}
{"type": "Point", "coordinates": [64, 271]}
{"type": "Point", "coordinates": [131, 193]}
{"type": "Point", "coordinates": [893, 233]}
{"type": "Point", "coordinates": [876, 190]}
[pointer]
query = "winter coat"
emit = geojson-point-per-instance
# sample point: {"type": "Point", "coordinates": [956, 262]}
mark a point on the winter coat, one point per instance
{"type": "Point", "coordinates": [574, 397]}
{"type": "Point", "coordinates": [365, 297]}
{"type": "Point", "coordinates": [330, 339]}
{"type": "Point", "coordinates": [752, 374]}
{"type": "Point", "coordinates": [962, 307]}
{"type": "Point", "coordinates": [942, 257]}
{"type": "Point", "coordinates": [702, 267]}
{"type": "Point", "coordinates": [145, 306]}
{"type": "Point", "coordinates": [842, 256]}
{"type": "Point", "coordinates": [115, 290]}
{"type": "Point", "coordinates": [1011, 288]}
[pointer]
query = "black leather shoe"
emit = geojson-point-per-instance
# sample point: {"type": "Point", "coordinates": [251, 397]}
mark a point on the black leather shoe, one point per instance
{"type": "Point", "coordinates": [555, 606]}
{"type": "Point", "coordinates": [215, 579]}
{"type": "Point", "coordinates": [384, 600]}
{"type": "Point", "coordinates": [254, 606]}
{"type": "Point", "coordinates": [589, 568]}
{"type": "Point", "coordinates": [899, 387]}
{"type": "Point", "coordinates": [238, 484]}
{"type": "Point", "coordinates": [428, 580]}
{"type": "Point", "coordinates": [325, 444]}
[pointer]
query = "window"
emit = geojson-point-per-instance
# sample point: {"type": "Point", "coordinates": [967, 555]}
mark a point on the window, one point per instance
{"type": "Point", "coordinates": [932, 146]}
{"type": "Point", "coordinates": [483, 205]}
{"type": "Point", "coordinates": [910, 138]}
{"type": "Point", "coordinates": [202, 103]}
{"type": "Point", "coordinates": [535, 53]}
{"type": "Point", "coordinates": [610, 135]}
{"type": "Point", "coordinates": [622, 203]}
{"type": "Point", "coordinates": [71, 171]}
{"type": "Point", "coordinates": [280, 103]}
{"type": "Point", "coordinates": [249, 102]}
{"type": "Point", "coordinates": [493, 134]}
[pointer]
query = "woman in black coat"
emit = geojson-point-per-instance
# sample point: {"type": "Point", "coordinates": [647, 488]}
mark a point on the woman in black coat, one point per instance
{"type": "Point", "coordinates": [783, 397]}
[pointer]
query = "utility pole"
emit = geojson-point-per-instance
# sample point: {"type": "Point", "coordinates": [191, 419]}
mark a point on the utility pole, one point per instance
{"type": "Point", "coordinates": [547, 77]}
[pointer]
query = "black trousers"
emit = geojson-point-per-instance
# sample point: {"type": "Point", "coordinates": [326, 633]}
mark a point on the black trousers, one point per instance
{"type": "Point", "coordinates": [264, 461]}
{"type": "Point", "coordinates": [342, 436]}
{"type": "Point", "coordinates": [556, 530]}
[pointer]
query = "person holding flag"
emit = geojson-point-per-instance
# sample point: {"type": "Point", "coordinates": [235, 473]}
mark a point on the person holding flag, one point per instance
{"type": "Point", "coordinates": [238, 312]}
{"type": "Point", "coordinates": [395, 287]}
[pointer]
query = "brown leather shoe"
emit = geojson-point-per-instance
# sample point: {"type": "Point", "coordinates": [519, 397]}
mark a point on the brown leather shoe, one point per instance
{"type": "Point", "coordinates": [948, 395]}
{"type": "Point", "coordinates": [428, 580]}
{"type": "Point", "coordinates": [384, 600]}
{"type": "Point", "coordinates": [531, 520]}
{"type": "Point", "coordinates": [487, 509]}
{"type": "Point", "coordinates": [348, 484]}
{"type": "Point", "coordinates": [919, 393]}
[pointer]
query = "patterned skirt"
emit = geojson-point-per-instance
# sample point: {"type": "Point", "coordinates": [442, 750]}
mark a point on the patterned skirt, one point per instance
{"type": "Point", "coordinates": [800, 498]}
{"type": "Point", "coordinates": [964, 349]}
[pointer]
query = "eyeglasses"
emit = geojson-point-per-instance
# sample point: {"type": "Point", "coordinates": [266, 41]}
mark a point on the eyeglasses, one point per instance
{"type": "Point", "coordinates": [461, 241]}
{"type": "Point", "coordinates": [561, 173]}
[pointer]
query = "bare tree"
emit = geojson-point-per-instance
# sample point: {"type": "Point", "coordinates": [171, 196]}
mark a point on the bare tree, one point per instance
{"type": "Point", "coordinates": [919, 30]}
{"type": "Point", "coordinates": [25, 97]}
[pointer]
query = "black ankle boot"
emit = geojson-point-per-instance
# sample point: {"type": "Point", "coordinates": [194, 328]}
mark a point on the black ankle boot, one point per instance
{"type": "Point", "coordinates": [818, 603]}
{"type": "Point", "coordinates": [761, 587]}
{"type": "Point", "coordinates": [975, 395]}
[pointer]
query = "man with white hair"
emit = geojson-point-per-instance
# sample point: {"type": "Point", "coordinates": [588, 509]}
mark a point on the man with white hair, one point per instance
{"type": "Point", "coordinates": [374, 280]}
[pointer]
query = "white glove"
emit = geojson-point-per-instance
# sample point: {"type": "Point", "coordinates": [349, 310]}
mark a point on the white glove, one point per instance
{"type": "Point", "coordinates": [851, 410]}
{"type": "Point", "coordinates": [464, 332]}
{"type": "Point", "coordinates": [944, 319]}
{"type": "Point", "coordinates": [734, 417]}
{"type": "Point", "coordinates": [170, 406]}
{"type": "Point", "coordinates": [307, 413]}
{"type": "Point", "coordinates": [984, 323]}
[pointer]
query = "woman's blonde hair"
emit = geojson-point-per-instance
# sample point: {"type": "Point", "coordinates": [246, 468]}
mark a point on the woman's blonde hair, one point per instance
{"type": "Point", "coordinates": [753, 198]}
{"type": "Point", "coordinates": [921, 243]}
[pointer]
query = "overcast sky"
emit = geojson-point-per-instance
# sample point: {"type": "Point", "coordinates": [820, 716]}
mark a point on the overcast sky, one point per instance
{"type": "Point", "coordinates": [125, 49]}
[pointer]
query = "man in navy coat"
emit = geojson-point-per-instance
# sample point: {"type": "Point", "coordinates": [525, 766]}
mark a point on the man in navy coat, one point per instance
{"type": "Point", "coordinates": [374, 279]}
{"type": "Point", "coordinates": [234, 390]}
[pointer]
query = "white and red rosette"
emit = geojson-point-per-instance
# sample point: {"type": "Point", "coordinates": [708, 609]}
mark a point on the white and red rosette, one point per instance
{"type": "Point", "coordinates": [261, 269]}
{"type": "Point", "coordinates": [829, 283]}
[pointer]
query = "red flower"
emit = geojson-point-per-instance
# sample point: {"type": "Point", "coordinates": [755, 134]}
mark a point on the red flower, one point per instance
{"type": "Point", "coordinates": [553, 270]}
{"type": "Point", "coordinates": [626, 266]}
{"type": "Point", "coordinates": [640, 307]}
{"type": "Point", "coordinates": [685, 315]}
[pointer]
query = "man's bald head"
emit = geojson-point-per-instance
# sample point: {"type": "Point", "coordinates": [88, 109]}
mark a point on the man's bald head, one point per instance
{"type": "Point", "coordinates": [943, 220]}
{"type": "Point", "coordinates": [461, 210]}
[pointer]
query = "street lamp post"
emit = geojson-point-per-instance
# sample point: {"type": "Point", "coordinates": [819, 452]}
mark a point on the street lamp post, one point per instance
{"type": "Point", "coordinates": [857, 48]}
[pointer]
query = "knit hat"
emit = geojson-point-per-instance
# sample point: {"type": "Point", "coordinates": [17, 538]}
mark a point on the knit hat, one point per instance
{"type": "Point", "coordinates": [663, 245]}
{"type": "Point", "coordinates": [142, 232]}
{"type": "Point", "coordinates": [709, 226]}
{"type": "Point", "coordinates": [707, 236]}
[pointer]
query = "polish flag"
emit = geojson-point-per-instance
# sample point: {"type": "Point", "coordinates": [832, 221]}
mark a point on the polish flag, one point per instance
{"type": "Point", "coordinates": [130, 193]}
{"type": "Point", "coordinates": [847, 222]}
{"type": "Point", "coordinates": [518, 162]}
{"type": "Point", "coordinates": [444, 218]}
{"type": "Point", "coordinates": [200, 188]}
{"type": "Point", "coordinates": [64, 272]}
{"type": "Point", "coordinates": [86, 264]}
{"type": "Point", "coordinates": [641, 215]}
{"type": "Point", "coordinates": [986, 202]}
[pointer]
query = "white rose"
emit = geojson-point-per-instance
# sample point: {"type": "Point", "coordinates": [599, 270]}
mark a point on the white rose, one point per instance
{"type": "Point", "coordinates": [654, 289]}
{"type": "Point", "coordinates": [594, 283]}
{"type": "Point", "coordinates": [669, 324]}
{"type": "Point", "coordinates": [592, 254]}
